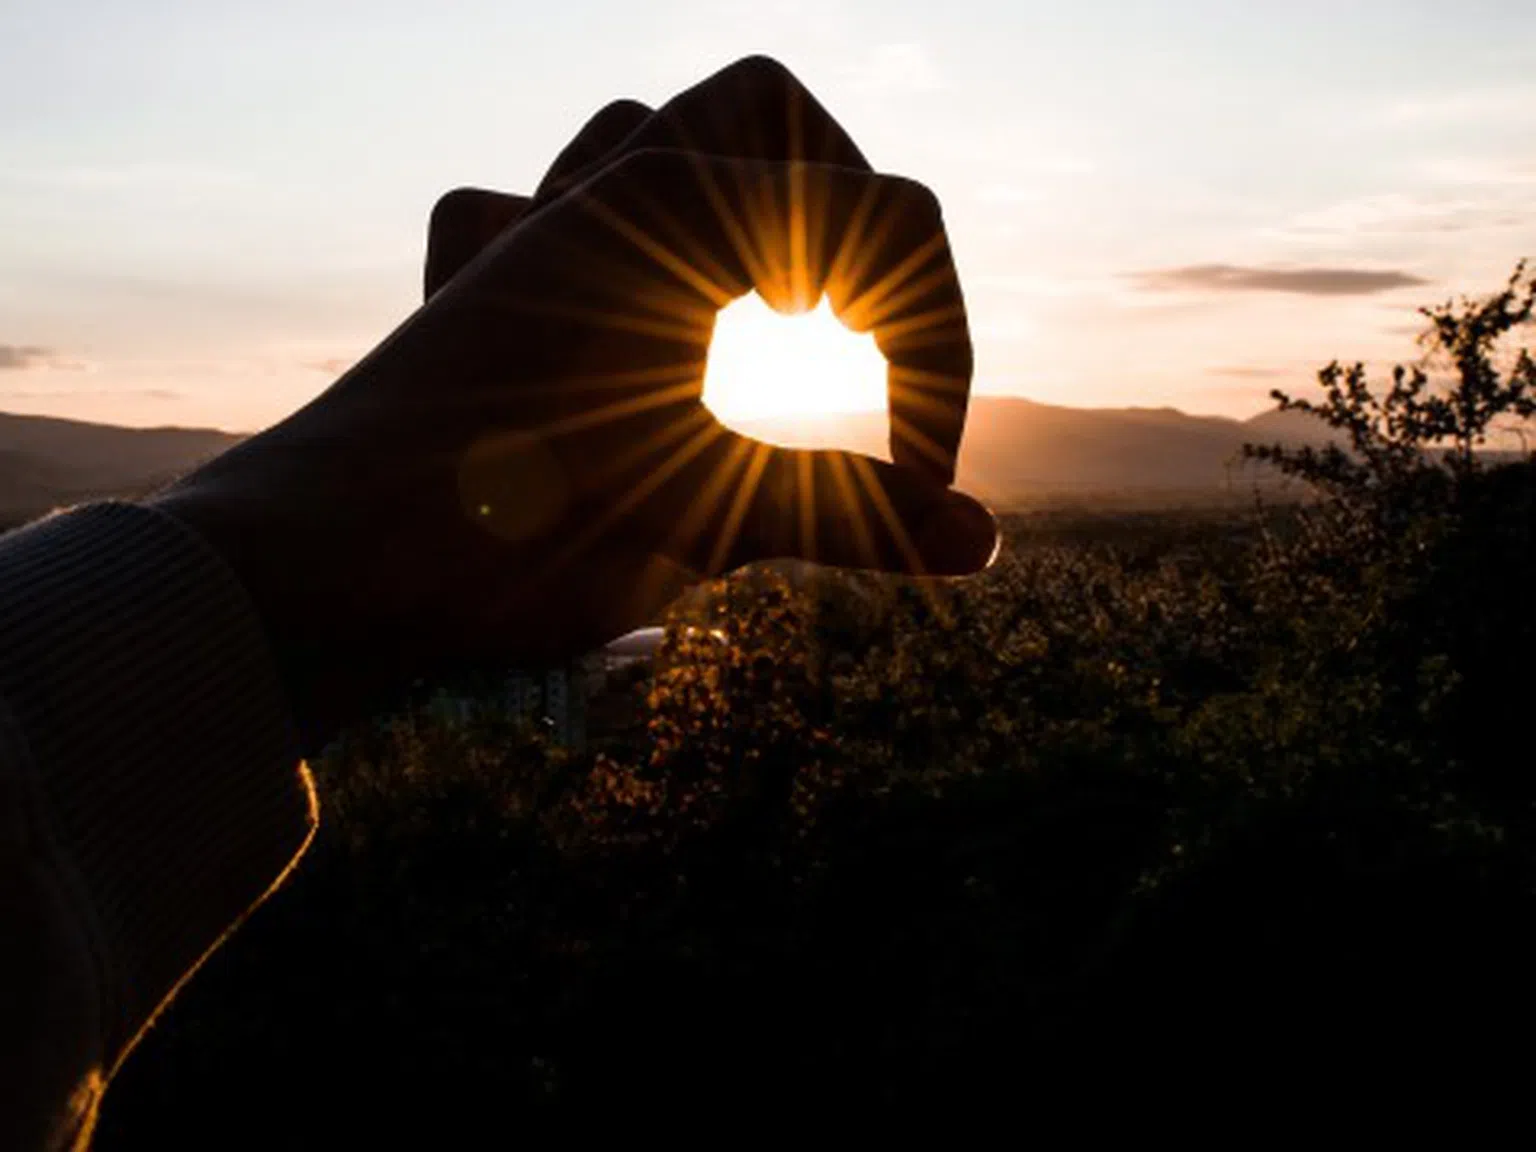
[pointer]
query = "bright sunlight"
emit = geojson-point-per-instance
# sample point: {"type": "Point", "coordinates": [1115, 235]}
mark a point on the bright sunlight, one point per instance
{"type": "Point", "coordinates": [765, 364]}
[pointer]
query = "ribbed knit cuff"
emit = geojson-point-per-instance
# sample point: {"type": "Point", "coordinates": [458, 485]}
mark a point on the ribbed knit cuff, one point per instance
{"type": "Point", "coordinates": [135, 665]}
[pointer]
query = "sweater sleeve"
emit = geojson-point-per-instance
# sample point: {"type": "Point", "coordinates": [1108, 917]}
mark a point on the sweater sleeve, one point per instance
{"type": "Point", "coordinates": [151, 794]}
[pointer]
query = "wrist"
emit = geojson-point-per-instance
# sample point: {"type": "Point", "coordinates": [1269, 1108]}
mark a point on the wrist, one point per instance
{"type": "Point", "coordinates": [234, 529]}
{"type": "Point", "coordinates": [161, 744]}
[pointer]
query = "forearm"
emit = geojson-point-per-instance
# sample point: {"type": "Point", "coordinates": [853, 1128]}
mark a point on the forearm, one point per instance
{"type": "Point", "coordinates": [151, 782]}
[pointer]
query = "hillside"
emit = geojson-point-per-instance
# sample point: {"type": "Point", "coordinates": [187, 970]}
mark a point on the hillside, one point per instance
{"type": "Point", "coordinates": [1018, 450]}
{"type": "Point", "coordinates": [45, 462]}
{"type": "Point", "coordinates": [1289, 426]}
{"type": "Point", "coordinates": [1015, 451]}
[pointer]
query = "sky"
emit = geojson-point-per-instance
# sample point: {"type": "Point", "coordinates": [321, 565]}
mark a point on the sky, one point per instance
{"type": "Point", "coordinates": [209, 208]}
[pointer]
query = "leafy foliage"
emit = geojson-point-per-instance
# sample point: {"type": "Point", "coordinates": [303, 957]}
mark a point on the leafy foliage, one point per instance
{"type": "Point", "coordinates": [1417, 428]}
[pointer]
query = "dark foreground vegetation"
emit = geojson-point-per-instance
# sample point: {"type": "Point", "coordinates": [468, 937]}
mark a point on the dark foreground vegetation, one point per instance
{"type": "Point", "coordinates": [1185, 802]}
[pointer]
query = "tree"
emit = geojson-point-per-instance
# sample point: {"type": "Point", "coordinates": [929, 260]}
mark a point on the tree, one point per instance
{"type": "Point", "coordinates": [1426, 427]}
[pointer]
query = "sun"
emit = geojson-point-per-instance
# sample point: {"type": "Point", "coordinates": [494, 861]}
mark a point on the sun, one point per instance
{"type": "Point", "coordinates": [765, 364]}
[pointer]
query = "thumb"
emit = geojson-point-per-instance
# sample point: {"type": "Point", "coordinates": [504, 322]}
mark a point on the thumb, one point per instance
{"type": "Point", "coordinates": [830, 507]}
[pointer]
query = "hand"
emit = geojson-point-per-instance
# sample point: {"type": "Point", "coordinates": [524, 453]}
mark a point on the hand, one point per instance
{"type": "Point", "coordinates": [524, 469]}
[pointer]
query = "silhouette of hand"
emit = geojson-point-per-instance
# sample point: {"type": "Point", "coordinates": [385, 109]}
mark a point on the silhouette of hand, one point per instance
{"type": "Point", "coordinates": [524, 469]}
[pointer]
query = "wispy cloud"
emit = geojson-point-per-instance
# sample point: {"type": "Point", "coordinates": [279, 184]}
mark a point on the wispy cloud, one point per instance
{"type": "Point", "coordinates": [17, 356]}
{"type": "Point", "coordinates": [91, 393]}
{"type": "Point", "coordinates": [1492, 206]}
{"type": "Point", "coordinates": [889, 68]}
{"type": "Point", "coordinates": [1300, 281]}
{"type": "Point", "coordinates": [1391, 214]}
{"type": "Point", "coordinates": [1247, 372]}
{"type": "Point", "coordinates": [1010, 194]}
{"type": "Point", "coordinates": [1471, 105]}
{"type": "Point", "coordinates": [1058, 164]}
{"type": "Point", "coordinates": [1040, 285]}
{"type": "Point", "coordinates": [331, 366]}
{"type": "Point", "coordinates": [148, 175]}
{"type": "Point", "coordinates": [23, 357]}
{"type": "Point", "coordinates": [1484, 172]}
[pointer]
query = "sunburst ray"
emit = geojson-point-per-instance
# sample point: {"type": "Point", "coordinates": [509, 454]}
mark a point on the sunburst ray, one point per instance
{"type": "Point", "coordinates": [745, 493]}
{"type": "Point", "coordinates": [865, 472]}
{"type": "Point", "coordinates": [805, 503]}
{"type": "Point", "coordinates": [855, 509]}
{"type": "Point", "coordinates": [618, 409]}
{"type": "Point", "coordinates": [696, 519]}
{"type": "Point", "coordinates": [562, 557]}
{"type": "Point", "coordinates": [872, 306]}
{"type": "Point", "coordinates": [684, 269]}
{"type": "Point", "coordinates": [920, 440]}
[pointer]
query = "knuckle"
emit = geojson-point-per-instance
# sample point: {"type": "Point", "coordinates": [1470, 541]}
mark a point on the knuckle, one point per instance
{"type": "Point", "coordinates": [919, 202]}
{"type": "Point", "coordinates": [619, 115]}
{"type": "Point", "coordinates": [454, 203]}
{"type": "Point", "coordinates": [762, 73]}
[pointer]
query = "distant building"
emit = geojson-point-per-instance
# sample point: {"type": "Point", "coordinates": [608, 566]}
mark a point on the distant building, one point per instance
{"type": "Point", "coordinates": [632, 647]}
{"type": "Point", "coordinates": [556, 698]}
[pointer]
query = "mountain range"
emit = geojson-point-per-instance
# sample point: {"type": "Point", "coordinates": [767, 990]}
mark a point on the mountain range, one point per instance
{"type": "Point", "coordinates": [46, 462]}
{"type": "Point", "coordinates": [1016, 451]}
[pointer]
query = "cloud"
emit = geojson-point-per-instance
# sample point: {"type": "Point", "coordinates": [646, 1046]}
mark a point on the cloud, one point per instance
{"type": "Point", "coordinates": [91, 393]}
{"type": "Point", "coordinates": [143, 175]}
{"type": "Point", "coordinates": [1396, 214]}
{"type": "Point", "coordinates": [1059, 164]}
{"type": "Point", "coordinates": [1247, 372]}
{"type": "Point", "coordinates": [1481, 171]}
{"type": "Point", "coordinates": [23, 357]}
{"type": "Point", "coordinates": [1009, 194]}
{"type": "Point", "coordinates": [1300, 281]}
{"type": "Point", "coordinates": [1470, 106]}
{"type": "Point", "coordinates": [889, 68]}
{"type": "Point", "coordinates": [1039, 285]}
{"type": "Point", "coordinates": [331, 366]}
{"type": "Point", "coordinates": [1388, 214]}
{"type": "Point", "coordinates": [16, 356]}
{"type": "Point", "coordinates": [1453, 201]}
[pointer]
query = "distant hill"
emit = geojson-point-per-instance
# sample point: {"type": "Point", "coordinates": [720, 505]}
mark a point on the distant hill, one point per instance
{"type": "Point", "coordinates": [1289, 426]}
{"type": "Point", "coordinates": [1017, 450]}
{"type": "Point", "coordinates": [45, 462]}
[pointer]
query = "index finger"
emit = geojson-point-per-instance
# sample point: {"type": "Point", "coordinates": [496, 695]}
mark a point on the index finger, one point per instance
{"type": "Point", "coordinates": [893, 274]}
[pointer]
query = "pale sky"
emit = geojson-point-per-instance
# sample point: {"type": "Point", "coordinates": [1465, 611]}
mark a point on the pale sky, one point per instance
{"type": "Point", "coordinates": [207, 206]}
